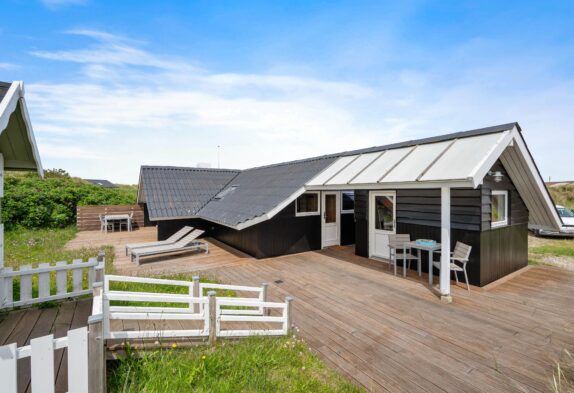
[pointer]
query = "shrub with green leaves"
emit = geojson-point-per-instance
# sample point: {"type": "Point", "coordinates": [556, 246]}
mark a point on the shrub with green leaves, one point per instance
{"type": "Point", "coordinates": [32, 202]}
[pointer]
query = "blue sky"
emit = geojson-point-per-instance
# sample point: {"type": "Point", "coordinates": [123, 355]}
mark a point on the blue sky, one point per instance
{"type": "Point", "coordinates": [113, 85]}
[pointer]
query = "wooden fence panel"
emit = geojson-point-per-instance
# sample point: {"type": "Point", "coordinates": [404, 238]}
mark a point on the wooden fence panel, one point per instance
{"type": "Point", "coordinates": [87, 217]}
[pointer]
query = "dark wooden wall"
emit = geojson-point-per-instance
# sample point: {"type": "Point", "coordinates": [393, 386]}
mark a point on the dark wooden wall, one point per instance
{"type": "Point", "coordinates": [362, 223]}
{"type": "Point", "coordinates": [422, 207]}
{"type": "Point", "coordinates": [503, 251]}
{"type": "Point", "coordinates": [495, 252]}
{"type": "Point", "coordinates": [518, 212]}
{"type": "Point", "coordinates": [283, 234]}
{"type": "Point", "coordinates": [347, 229]}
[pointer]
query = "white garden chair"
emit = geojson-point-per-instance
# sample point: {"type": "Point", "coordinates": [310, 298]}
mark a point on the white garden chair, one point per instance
{"type": "Point", "coordinates": [461, 254]}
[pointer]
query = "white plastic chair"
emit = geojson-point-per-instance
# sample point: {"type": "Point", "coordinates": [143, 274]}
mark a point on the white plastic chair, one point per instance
{"type": "Point", "coordinates": [396, 247]}
{"type": "Point", "coordinates": [461, 254]}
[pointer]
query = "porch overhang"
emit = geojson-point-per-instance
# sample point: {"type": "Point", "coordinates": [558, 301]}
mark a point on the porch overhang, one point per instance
{"type": "Point", "coordinates": [458, 163]}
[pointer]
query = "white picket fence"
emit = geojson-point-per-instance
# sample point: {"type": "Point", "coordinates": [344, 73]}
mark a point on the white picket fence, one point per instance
{"type": "Point", "coordinates": [44, 273]}
{"type": "Point", "coordinates": [42, 367]}
{"type": "Point", "coordinates": [209, 309]}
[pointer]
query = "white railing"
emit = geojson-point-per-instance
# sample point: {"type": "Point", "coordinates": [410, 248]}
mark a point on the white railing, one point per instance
{"type": "Point", "coordinates": [42, 367]}
{"type": "Point", "coordinates": [209, 310]}
{"type": "Point", "coordinates": [63, 287]}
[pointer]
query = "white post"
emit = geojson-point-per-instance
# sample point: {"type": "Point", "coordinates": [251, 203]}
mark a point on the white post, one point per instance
{"type": "Point", "coordinates": [445, 243]}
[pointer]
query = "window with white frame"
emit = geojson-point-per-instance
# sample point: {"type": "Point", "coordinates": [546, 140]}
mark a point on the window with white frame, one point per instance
{"type": "Point", "coordinates": [347, 202]}
{"type": "Point", "coordinates": [307, 204]}
{"type": "Point", "coordinates": [499, 208]}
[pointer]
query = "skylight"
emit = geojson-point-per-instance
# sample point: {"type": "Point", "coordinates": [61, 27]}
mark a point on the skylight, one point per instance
{"type": "Point", "coordinates": [225, 192]}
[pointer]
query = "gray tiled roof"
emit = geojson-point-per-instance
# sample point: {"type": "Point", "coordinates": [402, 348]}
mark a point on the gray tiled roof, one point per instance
{"type": "Point", "coordinates": [180, 192]}
{"type": "Point", "coordinates": [259, 190]}
{"type": "Point", "coordinates": [101, 183]}
{"type": "Point", "coordinates": [4, 86]}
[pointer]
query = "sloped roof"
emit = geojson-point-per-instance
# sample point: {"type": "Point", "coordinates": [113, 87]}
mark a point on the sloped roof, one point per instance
{"type": "Point", "coordinates": [4, 86]}
{"type": "Point", "coordinates": [259, 190]}
{"type": "Point", "coordinates": [460, 159]}
{"type": "Point", "coordinates": [17, 142]}
{"type": "Point", "coordinates": [176, 192]}
{"type": "Point", "coordinates": [102, 183]}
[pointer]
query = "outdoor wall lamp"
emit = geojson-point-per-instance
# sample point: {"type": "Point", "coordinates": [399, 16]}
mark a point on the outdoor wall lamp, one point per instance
{"type": "Point", "coordinates": [497, 176]}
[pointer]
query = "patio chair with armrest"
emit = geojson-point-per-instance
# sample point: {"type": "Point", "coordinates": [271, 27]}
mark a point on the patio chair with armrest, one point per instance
{"type": "Point", "coordinates": [188, 243]}
{"type": "Point", "coordinates": [128, 223]}
{"type": "Point", "coordinates": [397, 250]}
{"type": "Point", "coordinates": [103, 226]}
{"type": "Point", "coordinates": [461, 254]}
{"type": "Point", "coordinates": [170, 240]}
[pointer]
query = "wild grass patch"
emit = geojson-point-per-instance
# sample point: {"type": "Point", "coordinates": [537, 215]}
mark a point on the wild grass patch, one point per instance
{"type": "Point", "coordinates": [565, 251]}
{"type": "Point", "coordinates": [256, 364]}
{"type": "Point", "coordinates": [563, 376]}
{"type": "Point", "coordinates": [34, 246]}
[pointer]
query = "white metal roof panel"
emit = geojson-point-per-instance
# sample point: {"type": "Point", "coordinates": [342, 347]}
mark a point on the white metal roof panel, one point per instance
{"type": "Point", "coordinates": [331, 171]}
{"type": "Point", "coordinates": [462, 158]}
{"type": "Point", "coordinates": [380, 166]}
{"type": "Point", "coordinates": [353, 168]}
{"type": "Point", "coordinates": [415, 163]}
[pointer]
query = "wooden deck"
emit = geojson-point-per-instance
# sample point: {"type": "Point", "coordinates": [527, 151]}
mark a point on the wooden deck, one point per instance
{"type": "Point", "coordinates": [22, 326]}
{"type": "Point", "coordinates": [219, 255]}
{"type": "Point", "coordinates": [388, 333]}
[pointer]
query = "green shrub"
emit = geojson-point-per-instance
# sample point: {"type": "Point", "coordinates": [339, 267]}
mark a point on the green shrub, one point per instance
{"type": "Point", "coordinates": [32, 202]}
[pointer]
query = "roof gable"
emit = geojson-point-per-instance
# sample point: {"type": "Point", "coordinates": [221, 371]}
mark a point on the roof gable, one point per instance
{"type": "Point", "coordinates": [17, 142]}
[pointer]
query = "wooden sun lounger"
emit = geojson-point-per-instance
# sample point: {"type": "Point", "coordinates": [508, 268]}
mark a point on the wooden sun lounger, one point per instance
{"type": "Point", "coordinates": [188, 243]}
{"type": "Point", "coordinates": [170, 240]}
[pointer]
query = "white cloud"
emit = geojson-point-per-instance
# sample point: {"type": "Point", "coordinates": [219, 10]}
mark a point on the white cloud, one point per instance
{"type": "Point", "coordinates": [132, 106]}
{"type": "Point", "coordinates": [8, 66]}
{"type": "Point", "coordinates": [62, 3]}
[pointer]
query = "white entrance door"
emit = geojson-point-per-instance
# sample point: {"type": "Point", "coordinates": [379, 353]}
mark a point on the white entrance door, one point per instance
{"type": "Point", "coordinates": [330, 218]}
{"type": "Point", "coordinates": [382, 223]}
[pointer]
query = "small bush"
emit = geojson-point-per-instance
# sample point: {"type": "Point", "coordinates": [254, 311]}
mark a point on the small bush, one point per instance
{"type": "Point", "coordinates": [32, 202]}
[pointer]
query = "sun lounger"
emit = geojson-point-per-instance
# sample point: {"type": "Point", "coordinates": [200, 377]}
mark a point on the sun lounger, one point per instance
{"type": "Point", "coordinates": [170, 240]}
{"type": "Point", "coordinates": [188, 243]}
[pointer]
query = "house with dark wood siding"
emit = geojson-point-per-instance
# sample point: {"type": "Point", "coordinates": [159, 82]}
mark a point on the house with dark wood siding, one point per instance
{"type": "Point", "coordinates": [480, 187]}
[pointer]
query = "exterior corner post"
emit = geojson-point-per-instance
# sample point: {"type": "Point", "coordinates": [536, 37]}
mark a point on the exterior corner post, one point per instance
{"type": "Point", "coordinates": [444, 287]}
{"type": "Point", "coordinates": [264, 287]}
{"type": "Point", "coordinates": [289, 313]}
{"type": "Point", "coordinates": [212, 318]}
{"type": "Point", "coordinates": [195, 293]}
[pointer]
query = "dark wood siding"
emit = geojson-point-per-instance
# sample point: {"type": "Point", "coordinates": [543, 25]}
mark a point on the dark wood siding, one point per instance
{"type": "Point", "coordinates": [347, 229]}
{"type": "Point", "coordinates": [495, 252]}
{"type": "Point", "coordinates": [362, 223]}
{"type": "Point", "coordinates": [503, 251]}
{"type": "Point", "coordinates": [283, 234]}
{"type": "Point", "coordinates": [472, 238]}
{"type": "Point", "coordinates": [518, 212]}
{"type": "Point", "coordinates": [422, 207]}
{"type": "Point", "coordinates": [168, 227]}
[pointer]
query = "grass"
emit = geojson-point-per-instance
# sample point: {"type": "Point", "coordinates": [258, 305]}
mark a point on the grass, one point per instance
{"type": "Point", "coordinates": [563, 376]}
{"type": "Point", "coordinates": [553, 251]}
{"type": "Point", "coordinates": [563, 251]}
{"type": "Point", "coordinates": [34, 246]}
{"type": "Point", "coordinates": [563, 195]}
{"type": "Point", "coordinates": [256, 364]}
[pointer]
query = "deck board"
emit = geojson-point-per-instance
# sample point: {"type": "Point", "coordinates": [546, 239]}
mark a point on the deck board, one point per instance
{"type": "Point", "coordinates": [21, 326]}
{"type": "Point", "coordinates": [389, 333]}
